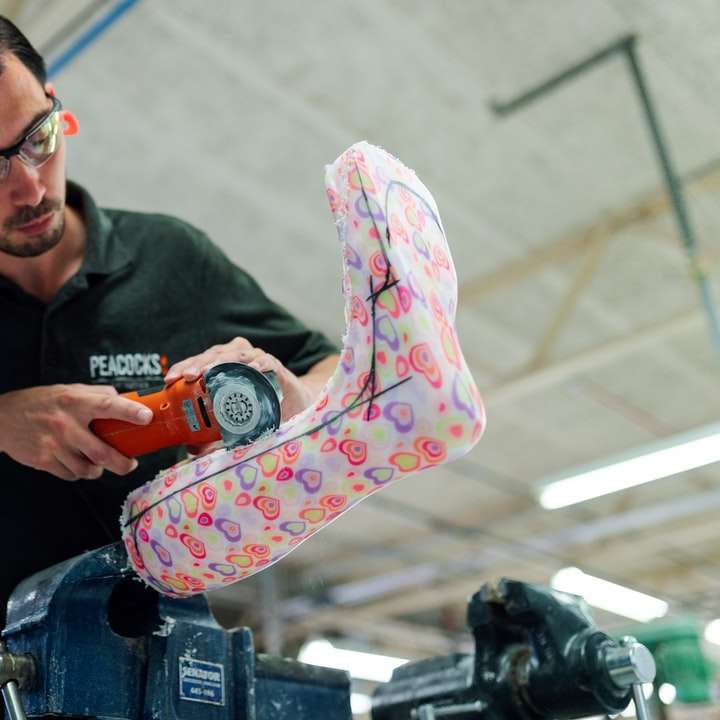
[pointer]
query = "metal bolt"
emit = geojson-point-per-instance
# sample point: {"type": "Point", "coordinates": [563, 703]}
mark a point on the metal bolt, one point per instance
{"type": "Point", "coordinates": [629, 664]}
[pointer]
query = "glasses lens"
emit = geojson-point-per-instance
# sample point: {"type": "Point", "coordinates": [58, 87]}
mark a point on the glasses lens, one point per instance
{"type": "Point", "coordinates": [4, 168]}
{"type": "Point", "coordinates": [39, 147]}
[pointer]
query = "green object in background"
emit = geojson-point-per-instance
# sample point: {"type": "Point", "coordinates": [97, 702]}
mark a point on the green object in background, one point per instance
{"type": "Point", "coordinates": [678, 654]}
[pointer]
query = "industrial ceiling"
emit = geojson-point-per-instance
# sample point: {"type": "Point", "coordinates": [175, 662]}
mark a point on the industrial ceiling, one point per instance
{"type": "Point", "coordinates": [578, 311]}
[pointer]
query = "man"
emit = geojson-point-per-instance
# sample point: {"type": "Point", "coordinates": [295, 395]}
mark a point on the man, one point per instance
{"type": "Point", "coordinates": [96, 302]}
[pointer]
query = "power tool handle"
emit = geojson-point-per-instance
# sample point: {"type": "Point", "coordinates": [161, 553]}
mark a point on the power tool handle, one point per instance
{"type": "Point", "coordinates": [169, 426]}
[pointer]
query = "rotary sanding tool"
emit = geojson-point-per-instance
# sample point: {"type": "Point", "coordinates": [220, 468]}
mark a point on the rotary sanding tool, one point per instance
{"type": "Point", "coordinates": [231, 402]}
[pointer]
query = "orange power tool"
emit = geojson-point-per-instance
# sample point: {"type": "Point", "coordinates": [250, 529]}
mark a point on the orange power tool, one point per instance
{"type": "Point", "coordinates": [231, 402]}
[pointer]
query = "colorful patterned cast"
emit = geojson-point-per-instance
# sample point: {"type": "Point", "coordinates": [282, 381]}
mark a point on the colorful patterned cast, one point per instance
{"type": "Point", "coordinates": [401, 400]}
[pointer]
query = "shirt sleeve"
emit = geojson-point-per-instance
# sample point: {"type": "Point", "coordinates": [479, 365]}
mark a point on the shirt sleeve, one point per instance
{"type": "Point", "coordinates": [235, 305]}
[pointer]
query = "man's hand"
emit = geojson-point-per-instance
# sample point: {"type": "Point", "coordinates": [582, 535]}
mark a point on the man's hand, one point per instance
{"type": "Point", "coordinates": [298, 392]}
{"type": "Point", "coordinates": [47, 428]}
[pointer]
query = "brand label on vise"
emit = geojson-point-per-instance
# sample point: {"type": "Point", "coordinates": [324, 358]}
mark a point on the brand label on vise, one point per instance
{"type": "Point", "coordinates": [201, 681]}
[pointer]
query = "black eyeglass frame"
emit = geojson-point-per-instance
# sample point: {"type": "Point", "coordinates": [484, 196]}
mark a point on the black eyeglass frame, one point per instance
{"type": "Point", "coordinates": [17, 148]}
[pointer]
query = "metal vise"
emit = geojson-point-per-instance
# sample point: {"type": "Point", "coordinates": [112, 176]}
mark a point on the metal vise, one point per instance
{"type": "Point", "coordinates": [86, 639]}
{"type": "Point", "coordinates": [538, 655]}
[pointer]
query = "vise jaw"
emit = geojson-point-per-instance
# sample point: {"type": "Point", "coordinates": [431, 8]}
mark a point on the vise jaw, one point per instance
{"type": "Point", "coordinates": [89, 640]}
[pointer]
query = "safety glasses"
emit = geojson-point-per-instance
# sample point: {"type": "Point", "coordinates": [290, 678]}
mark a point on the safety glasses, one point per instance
{"type": "Point", "coordinates": [38, 144]}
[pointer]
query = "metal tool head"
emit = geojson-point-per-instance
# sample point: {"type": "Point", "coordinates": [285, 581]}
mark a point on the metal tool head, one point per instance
{"type": "Point", "coordinates": [245, 402]}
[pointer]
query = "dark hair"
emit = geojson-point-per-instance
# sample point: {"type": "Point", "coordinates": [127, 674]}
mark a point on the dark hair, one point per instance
{"type": "Point", "coordinates": [13, 41]}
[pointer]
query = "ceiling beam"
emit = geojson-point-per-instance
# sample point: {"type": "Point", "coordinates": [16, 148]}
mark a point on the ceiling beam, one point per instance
{"type": "Point", "coordinates": [565, 309]}
{"type": "Point", "coordinates": [526, 383]}
{"type": "Point", "coordinates": [430, 585]}
{"type": "Point", "coordinates": [705, 179]}
{"type": "Point", "coordinates": [415, 639]}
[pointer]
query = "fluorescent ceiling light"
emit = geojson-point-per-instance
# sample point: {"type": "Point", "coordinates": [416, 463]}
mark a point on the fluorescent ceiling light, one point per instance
{"type": "Point", "coordinates": [609, 596]}
{"type": "Point", "coordinates": [712, 632]}
{"type": "Point", "coordinates": [360, 704]}
{"type": "Point", "coordinates": [361, 665]}
{"type": "Point", "coordinates": [667, 694]}
{"type": "Point", "coordinates": [650, 462]}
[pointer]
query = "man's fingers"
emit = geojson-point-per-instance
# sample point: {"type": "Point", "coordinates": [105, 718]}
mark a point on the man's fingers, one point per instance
{"type": "Point", "coordinates": [57, 469]}
{"type": "Point", "coordinates": [120, 408]}
{"type": "Point", "coordinates": [238, 349]}
{"type": "Point", "coordinates": [193, 372]}
{"type": "Point", "coordinates": [266, 363]}
{"type": "Point", "coordinates": [103, 455]}
{"type": "Point", "coordinates": [254, 357]}
{"type": "Point", "coordinates": [250, 354]}
{"type": "Point", "coordinates": [77, 465]}
{"type": "Point", "coordinates": [100, 389]}
{"type": "Point", "coordinates": [260, 360]}
{"type": "Point", "coordinates": [191, 368]}
{"type": "Point", "coordinates": [51, 428]}
{"type": "Point", "coordinates": [180, 369]}
{"type": "Point", "coordinates": [121, 465]}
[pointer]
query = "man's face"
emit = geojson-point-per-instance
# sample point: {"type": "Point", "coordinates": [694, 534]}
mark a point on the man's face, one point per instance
{"type": "Point", "coordinates": [32, 200]}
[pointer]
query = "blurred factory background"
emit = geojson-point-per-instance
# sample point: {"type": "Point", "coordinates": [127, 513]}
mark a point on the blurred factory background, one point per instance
{"type": "Point", "coordinates": [587, 306]}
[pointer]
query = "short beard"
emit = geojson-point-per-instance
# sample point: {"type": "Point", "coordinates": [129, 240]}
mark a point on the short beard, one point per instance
{"type": "Point", "coordinates": [32, 246]}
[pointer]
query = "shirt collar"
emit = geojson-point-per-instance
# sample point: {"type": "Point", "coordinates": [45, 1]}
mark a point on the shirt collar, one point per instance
{"type": "Point", "coordinates": [105, 254]}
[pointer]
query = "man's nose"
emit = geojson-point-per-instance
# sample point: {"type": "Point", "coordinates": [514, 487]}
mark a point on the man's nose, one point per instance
{"type": "Point", "coordinates": [26, 186]}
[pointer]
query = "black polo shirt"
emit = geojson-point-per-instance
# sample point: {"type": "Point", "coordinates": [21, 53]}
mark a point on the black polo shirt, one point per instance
{"type": "Point", "coordinates": [152, 290]}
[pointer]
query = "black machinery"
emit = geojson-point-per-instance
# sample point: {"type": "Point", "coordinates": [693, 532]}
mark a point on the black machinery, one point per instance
{"type": "Point", "coordinates": [86, 639]}
{"type": "Point", "coordinates": [537, 656]}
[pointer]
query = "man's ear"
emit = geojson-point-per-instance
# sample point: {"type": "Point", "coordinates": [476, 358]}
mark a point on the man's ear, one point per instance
{"type": "Point", "coordinates": [49, 89]}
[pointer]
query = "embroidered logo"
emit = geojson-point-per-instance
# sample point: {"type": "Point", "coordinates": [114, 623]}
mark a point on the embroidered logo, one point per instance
{"type": "Point", "coordinates": [127, 366]}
